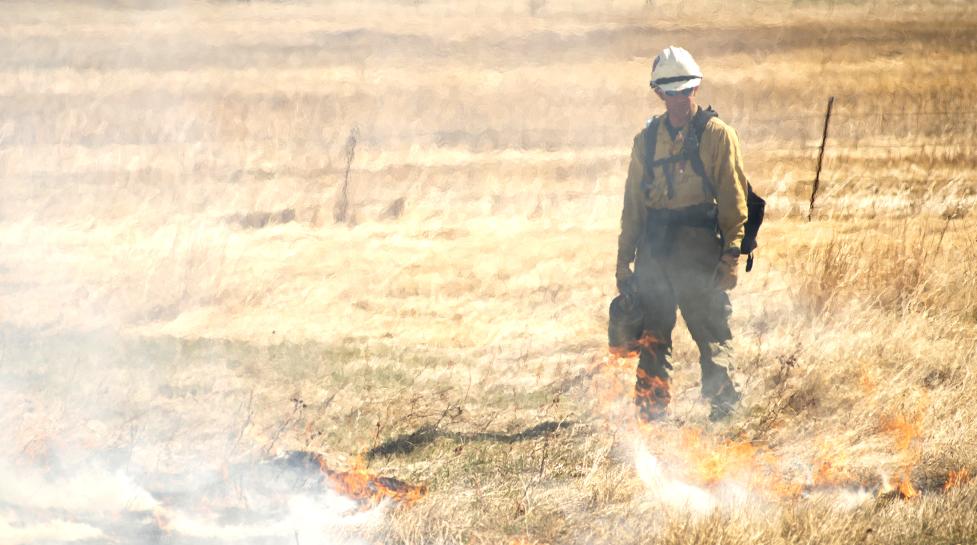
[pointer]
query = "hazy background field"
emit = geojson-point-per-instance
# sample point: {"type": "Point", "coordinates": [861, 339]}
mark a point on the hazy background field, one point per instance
{"type": "Point", "coordinates": [175, 292]}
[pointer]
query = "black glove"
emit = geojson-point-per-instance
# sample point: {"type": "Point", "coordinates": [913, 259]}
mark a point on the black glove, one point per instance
{"type": "Point", "coordinates": [627, 282]}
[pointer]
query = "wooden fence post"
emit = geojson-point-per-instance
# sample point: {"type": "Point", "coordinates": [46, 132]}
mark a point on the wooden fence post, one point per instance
{"type": "Point", "coordinates": [817, 174]}
{"type": "Point", "coordinates": [341, 212]}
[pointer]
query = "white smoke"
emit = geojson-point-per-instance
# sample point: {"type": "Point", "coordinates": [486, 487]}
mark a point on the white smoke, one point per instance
{"type": "Point", "coordinates": [665, 486]}
{"type": "Point", "coordinates": [12, 532]}
{"type": "Point", "coordinates": [308, 520]}
{"type": "Point", "coordinates": [674, 493]}
{"type": "Point", "coordinates": [38, 504]}
{"type": "Point", "coordinates": [88, 491]}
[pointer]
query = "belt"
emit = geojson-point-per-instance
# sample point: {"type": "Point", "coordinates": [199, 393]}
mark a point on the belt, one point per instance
{"type": "Point", "coordinates": [703, 215]}
{"type": "Point", "coordinates": [662, 222]}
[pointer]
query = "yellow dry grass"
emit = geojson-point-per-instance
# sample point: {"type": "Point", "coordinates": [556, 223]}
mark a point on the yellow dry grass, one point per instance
{"type": "Point", "coordinates": [173, 286]}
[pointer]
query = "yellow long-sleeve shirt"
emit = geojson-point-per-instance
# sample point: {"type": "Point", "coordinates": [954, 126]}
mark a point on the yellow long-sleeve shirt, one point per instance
{"type": "Point", "coordinates": [719, 149]}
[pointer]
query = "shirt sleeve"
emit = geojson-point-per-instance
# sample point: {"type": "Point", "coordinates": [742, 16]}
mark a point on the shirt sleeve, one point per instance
{"type": "Point", "coordinates": [724, 164]}
{"type": "Point", "coordinates": [633, 213]}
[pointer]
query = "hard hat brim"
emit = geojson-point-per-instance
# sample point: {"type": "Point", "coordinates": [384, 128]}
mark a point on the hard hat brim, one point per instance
{"type": "Point", "coordinates": [678, 85]}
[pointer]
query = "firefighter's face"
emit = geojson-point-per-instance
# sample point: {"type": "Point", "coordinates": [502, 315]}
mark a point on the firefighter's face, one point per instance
{"type": "Point", "coordinates": [680, 104]}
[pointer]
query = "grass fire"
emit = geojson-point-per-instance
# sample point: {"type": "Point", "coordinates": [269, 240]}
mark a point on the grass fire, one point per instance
{"type": "Point", "coordinates": [342, 273]}
{"type": "Point", "coordinates": [357, 483]}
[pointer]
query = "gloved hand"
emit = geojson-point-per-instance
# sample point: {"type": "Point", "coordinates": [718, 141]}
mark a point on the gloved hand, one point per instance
{"type": "Point", "coordinates": [625, 280]}
{"type": "Point", "coordinates": [725, 274]}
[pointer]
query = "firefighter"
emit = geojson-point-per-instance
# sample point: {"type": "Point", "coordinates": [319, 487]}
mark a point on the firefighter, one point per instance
{"type": "Point", "coordinates": [682, 226]}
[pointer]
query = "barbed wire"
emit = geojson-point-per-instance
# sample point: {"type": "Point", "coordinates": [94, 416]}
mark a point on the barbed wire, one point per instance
{"type": "Point", "coordinates": [865, 115]}
{"type": "Point", "coordinates": [852, 146]}
{"type": "Point", "coordinates": [562, 139]}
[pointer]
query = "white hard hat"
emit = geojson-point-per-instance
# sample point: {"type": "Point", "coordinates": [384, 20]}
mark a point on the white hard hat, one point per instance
{"type": "Point", "coordinates": [674, 69]}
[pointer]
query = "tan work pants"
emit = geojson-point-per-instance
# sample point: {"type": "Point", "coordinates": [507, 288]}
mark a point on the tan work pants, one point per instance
{"type": "Point", "coordinates": [679, 273]}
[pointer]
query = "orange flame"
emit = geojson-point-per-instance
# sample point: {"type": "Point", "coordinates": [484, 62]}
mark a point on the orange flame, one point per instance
{"type": "Point", "coordinates": [651, 394]}
{"type": "Point", "coordinates": [712, 461]}
{"type": "Point", "coordinates": [906, 489]}
{"type": "Point", "coordinates": [903, 431]}
{"type": "Point", "coordinates": [649, 340]}
{"type": "Point", "coordinates": [746, 461]}
{"type": "Point", "coordinates": [957, 478]}
{"type": "Point", "coordinates": [369, 489]}
{"type": "Point", "coordinates": [632, 350]}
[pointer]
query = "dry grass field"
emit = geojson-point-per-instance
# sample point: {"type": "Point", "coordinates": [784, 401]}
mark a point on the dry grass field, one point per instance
{"type": "Point", "coordinates": [179, 306]}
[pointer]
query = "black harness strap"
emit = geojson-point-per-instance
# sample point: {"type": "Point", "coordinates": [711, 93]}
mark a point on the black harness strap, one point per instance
{"type": "Point", "coordinates": [699, 123]}
{"type": "Point", "coordinates": [651, 140]}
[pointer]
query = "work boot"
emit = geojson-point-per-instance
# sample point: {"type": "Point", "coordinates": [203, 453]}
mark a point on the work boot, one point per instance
{"type": "Point", "coordinates": [651, 397]}
{"type": "Point", "coordinates": [719, 390]}
{"type": "Point", "coordinates": [723, 403]}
